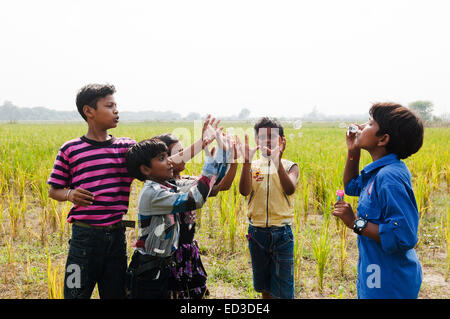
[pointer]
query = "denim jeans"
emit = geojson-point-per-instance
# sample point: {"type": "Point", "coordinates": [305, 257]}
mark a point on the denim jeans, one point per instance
{"type": "Point", "coordinates": [96, 256]}
{"type": "Point", "coordinates": [272, 255]}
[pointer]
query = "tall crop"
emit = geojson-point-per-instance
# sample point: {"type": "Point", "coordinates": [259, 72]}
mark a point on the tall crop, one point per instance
{"type": "Point", "coordinates": [30, 219]}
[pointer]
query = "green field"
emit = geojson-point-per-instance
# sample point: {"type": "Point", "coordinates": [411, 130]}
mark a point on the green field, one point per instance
{"type": "Point", "coordinates": [34, 234]}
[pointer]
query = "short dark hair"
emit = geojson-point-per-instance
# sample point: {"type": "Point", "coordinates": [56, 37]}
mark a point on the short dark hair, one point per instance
{"type": "Point", "coordinates": [90, 94]}
{"type": "Point", "coordinates": [404, 127]}
{"type": "Point", "coordinates": [268, 122]}
{"type": "Point", "coordinates": [168, 139]}
{"type": "Point", "coordinates": [141, 154]}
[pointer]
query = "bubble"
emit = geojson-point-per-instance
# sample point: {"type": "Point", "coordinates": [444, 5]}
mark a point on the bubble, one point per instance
{"type": "Point", "coordinates": [342, 125]}
{"type": "Point", "coordinates": [291, 136]}
{"type": "Point", "coordinates": [298, 124]}
{"type": "Point", "coordinates": [300, 134]}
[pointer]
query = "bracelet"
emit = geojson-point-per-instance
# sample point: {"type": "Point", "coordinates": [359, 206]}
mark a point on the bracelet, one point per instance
{"type": "Point", "coordinates": [68, 193]}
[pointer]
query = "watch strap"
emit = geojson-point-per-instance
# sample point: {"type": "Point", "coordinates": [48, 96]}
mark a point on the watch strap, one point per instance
{"type": "Point", "coordinates": [357, 229]}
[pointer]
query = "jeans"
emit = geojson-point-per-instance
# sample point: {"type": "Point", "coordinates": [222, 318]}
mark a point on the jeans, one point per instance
{"type": "Point", "coordinates": [96, 256]}
{"type": "Point", "coordinates": [272, 254]}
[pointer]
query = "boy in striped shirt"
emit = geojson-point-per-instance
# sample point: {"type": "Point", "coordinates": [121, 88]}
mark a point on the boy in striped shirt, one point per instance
{"type": "Point", "coordinates": [90, 172]}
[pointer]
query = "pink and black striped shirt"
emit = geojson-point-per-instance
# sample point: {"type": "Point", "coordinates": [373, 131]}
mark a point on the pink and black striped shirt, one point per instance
{"type": "Point", "coordinates": [98, 167]}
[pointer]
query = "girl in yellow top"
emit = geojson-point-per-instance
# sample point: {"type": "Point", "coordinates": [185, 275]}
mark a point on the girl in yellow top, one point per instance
{"type": "Point", "coordinates": [270, 181]}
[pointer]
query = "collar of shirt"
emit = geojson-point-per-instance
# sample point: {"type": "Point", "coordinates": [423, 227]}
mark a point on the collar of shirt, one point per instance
{"type": "Point", "coordinates": [385, 160]}
{"type": "Point", "coordinates": [369, 169]}
{"type": "Point", "coordinates": [108, 142]}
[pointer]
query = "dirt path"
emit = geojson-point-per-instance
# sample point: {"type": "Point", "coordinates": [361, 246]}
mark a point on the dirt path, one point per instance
{"type": "Point", "coordinates": [434, 285]}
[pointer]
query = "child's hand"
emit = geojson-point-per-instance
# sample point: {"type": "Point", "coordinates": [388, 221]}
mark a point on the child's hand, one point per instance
{"type": "Point", "coordinates": [216, 160]}
{"type": "Point", "coordinates": [226, 148]}
{"type": "Point", "coordinates": [222, 139]}
{"type": "Point", "coordinates": [230, 143]}
{"type": "Point", "coordinates": [350, 139]}
{"type": "Point", "coordinates": [208, 135]}
{"type": "Point", "coordinates": [344, 211]}
{"type": "Point", "coordinates": [276, 153]}
{"type": "Point", "coordinates": [209, 130]}
{"type": "Point", "coordinates": [249, 152]}
{"type": "Point", "coordinates": [81, 197]}
{"type": "Point", "coordinates": [238, 149]}
{"type": "Point", "coordinates": [206, 123]}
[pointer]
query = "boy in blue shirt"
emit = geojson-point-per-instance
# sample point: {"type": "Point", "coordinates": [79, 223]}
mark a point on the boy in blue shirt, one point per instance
{"type": "Point", "coordinates": [387, 217]}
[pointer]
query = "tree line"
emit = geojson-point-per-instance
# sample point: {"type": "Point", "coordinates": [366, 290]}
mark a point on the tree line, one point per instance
{"type": "Point", "coordinates": [12, 113]}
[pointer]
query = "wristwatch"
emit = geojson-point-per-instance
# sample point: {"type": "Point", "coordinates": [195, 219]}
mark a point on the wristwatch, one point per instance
{"type": "Point", "coordinates": [359, 225]}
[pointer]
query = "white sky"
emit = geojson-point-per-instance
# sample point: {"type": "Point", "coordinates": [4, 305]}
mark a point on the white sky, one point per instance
{"type": "Point", "coordinates": [276, 58]}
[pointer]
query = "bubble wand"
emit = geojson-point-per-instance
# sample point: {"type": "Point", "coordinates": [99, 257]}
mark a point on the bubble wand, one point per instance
{"type": "Point", "coordinates": [352, 129]}
{"type": "Point", "coordinates": [340, 194]}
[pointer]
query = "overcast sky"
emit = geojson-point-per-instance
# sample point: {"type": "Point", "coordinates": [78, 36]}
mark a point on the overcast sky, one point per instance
{"type": "Point", "coordinates": [278, 58]}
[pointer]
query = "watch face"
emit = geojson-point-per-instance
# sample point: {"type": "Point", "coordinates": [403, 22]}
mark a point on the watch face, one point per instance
{"type": "Point", "coordinates": [359, 223]}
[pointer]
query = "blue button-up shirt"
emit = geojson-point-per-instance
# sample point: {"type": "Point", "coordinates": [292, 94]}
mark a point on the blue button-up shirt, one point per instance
{"type": "Point", "coordinates": [389, 269]}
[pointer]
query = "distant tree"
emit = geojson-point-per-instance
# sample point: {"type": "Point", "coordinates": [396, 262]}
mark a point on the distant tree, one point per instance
{"type": "Point", "coordinates": [314, 115]}
{"type": "Point", "coordinates": [9, 112]}
{"type": "Point", "coordinates": [445, 117]}
{"type": "Point", "coordinates": [422, 108]}
{"type": "Point", "coordinates": [244, 114]}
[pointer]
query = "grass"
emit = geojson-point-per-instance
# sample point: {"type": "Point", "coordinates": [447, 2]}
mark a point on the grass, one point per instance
{"type": "Point", "coordinates": [34, 235]}
{"type": "Point", "coordinates": [321, 246]}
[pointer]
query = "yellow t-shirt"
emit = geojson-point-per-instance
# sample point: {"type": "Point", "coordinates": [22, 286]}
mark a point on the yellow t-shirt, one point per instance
{"type": "Point", "coordinates": [268, 204]}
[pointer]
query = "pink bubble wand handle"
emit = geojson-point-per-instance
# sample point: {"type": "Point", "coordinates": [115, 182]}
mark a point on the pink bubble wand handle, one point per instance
{"type": "Point", "coordinates": [340, 194]}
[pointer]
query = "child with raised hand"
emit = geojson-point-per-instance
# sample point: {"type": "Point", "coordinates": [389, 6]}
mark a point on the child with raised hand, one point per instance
{"type": "Point", "coordinates": [270, 181]}
{"type": "Point", "coordinates": [387, 216]}
{"type": "Point", "coordinates": [160, 206]}
{"type": "Point", "coordinates": [90, 172]}
{"type": "Point", "coordinates": [188, 276]}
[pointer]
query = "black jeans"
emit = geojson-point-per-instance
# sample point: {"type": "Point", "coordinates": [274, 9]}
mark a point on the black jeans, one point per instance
{"type": "Point", "coordinates": [96, 256]}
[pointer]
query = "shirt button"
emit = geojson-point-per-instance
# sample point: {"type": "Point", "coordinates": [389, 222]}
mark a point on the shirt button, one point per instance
{"type": "Point", "coordinates": [395, 223]}
{"type": "Point", "coordinates": [366, 215]}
